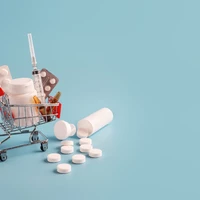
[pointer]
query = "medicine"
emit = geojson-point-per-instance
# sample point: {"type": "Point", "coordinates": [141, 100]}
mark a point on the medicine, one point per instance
{"type": "Point", "coordinates": [67, 149]}
{"type": "Point", "coordinates": [85, 148]}
{"type": "Point", "coordinates": [78, 159]}
{"type": "Point", "coordinates": [47, 88]}
{"type": "Point", "coordinates": [43, 74]}
{"type": "Point", "coordinates": [49, 81]}
{"type": "Point", "coordinates": [95, 153]}
{"type": "Point", "coordinates": [53, 81]}
{"type": "Point", "coordinates": [54, 157]}
{"type": "Point", "coordinates": [67, 143]}
{"type": "Point", "coordinates": [63, 130]}
{"type": "Point", "coordinates": [21, 92]}
{"type": "Point", "coordinates": [85, 141]}
{"type": "Point", "coordinates": [94, 122]}
{"type": "Point", "coordinates": [64, 168]}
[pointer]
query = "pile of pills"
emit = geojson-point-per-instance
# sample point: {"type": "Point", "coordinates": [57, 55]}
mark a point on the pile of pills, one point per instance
{"type": "Point", "coordinates": [67, 147]}
{"type": "Point", "coordinates": [85, 128]}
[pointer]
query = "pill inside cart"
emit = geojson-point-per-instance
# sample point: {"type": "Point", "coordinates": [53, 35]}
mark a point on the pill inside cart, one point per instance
{"type": "Point", "coordinates": [43, 74]}
{"type": "Point", "coordinates": [53, 81]}
{"type": "Point", "coordinates": [47, 88]}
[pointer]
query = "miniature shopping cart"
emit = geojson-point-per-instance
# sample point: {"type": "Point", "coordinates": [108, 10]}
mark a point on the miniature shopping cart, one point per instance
{"type": "Point", "coordinates": [26, 122]}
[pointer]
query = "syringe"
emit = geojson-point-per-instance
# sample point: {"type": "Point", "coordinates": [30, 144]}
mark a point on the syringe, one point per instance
{"type": "Point", "coordinates": [36, 73]}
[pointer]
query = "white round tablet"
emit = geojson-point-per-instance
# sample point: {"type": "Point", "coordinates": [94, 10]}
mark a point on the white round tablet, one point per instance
{"type": "Point", "coordinates": [78, 159]}
{"type": "Point", "coordinates": [67, 143]}
{"type": "Point", "coordinates": [62, 130]}
{"type": "Point", "coordinates": [85, 147]}
{"type": "Point", "coordinates": [47, 88]}
{"type": "Point", "coordinates": [43, 74]}
{"type": "Point", "coordinates": [85, 141]}
{"type": "Point", "coordinates": [54, 157]}
{"type": "Point", "coordinates": [53, 81]}
{"type": "Point", "coordinates": [67, 149]}
{"type": "Point", "coordinates": [95, 153]}
{"type": "Point", "coordinates": [64, 168]}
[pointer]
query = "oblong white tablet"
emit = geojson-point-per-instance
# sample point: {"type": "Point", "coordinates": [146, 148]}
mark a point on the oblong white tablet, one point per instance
{"type": "Point", "coordinates": [95, 153]}
{"type": "Point", "coordinates": [67, 143]}
{"type": "Point", "coordinates": [54, 157]}
{"type": "Point", "coordinates": [85, 147]}
{"type": "Point", "coordinates": [85, 141]}
{"type": "Point", "coordinates": [78, 159]}
{"type": "Point", "coordinates": [64, 168]}
{"type": "Point", "coordinates": [67, 149]}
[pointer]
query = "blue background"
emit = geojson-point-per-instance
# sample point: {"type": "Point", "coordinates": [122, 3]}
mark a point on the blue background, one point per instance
{"type": "Point", "coordinates": [140, 59]}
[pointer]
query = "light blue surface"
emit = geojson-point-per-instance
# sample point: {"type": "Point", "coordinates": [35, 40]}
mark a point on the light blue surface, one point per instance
{"type": "Point", "coordinates": [140, 59]}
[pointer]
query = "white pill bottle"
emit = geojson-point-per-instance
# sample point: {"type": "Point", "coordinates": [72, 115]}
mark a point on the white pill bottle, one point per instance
{"type": "Point", "coordinates": [21, 92]}
{"type": "Point", "coordinates": [94, 122]}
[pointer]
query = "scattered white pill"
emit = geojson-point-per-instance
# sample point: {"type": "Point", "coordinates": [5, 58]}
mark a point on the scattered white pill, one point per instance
{"type": "Point", "coordinates": [54, 157]}
{"type": "Point", "coordinates": [85, 147]}
{"type": "Point", "coordinates": [43, 74]}
{"type": "Point", "coordinates": [47, 88]}
{"type": "Point", "coordinates": [95, 153]}
{"type": "Point", "coordinates": [53, 81]}
{"type": "Point", "coordinates": [67, 143]}
{"type": "Point", "coordinates": [64, 168]}
{"type": "Point", "coordinates": [67, 149]}
{"type": "Point", "coordinates": [78, 159]}
{"type": "Point", "coordinates": [85, 141]}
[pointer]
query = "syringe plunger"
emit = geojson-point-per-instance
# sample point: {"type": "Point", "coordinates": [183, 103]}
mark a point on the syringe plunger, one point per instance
{"type": "Point", "coordinates": [32, 52]}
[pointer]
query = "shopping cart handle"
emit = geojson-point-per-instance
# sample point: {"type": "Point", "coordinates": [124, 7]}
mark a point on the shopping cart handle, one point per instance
{"type": "Point", "coordinates": [25, 131]}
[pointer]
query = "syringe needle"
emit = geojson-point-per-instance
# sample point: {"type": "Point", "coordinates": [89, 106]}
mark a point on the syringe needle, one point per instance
{"type": "Point", "coordinates": [32, 52]}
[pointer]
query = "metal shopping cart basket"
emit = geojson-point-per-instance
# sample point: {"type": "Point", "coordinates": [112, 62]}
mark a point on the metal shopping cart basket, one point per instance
{"type": "Point", "coordinates": [25, 123]}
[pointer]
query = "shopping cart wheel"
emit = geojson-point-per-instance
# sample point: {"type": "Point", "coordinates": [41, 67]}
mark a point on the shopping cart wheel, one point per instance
{"type": "Point", "coordinates": [3, 157]}
{"type": "Point", "coordinates": [44, 146]}
{"type": "Point", "coordinates": [35, 138]}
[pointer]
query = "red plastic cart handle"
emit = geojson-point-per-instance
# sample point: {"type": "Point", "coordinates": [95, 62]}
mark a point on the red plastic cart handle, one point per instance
{"type": "Point", "coordinates": [1, 92]}
{"type": "Point", "coordinates": [57, 110]}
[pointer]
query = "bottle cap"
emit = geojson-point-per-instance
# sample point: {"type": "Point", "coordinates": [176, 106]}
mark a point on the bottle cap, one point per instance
{"type": "Point", "coordinates": [63, 130]}
{"type": "Point", "coordinates": [18, 86]}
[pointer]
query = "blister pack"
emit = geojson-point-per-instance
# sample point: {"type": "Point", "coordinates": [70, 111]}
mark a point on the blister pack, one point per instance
{"type": "Point", "coordinates": [49, 81]}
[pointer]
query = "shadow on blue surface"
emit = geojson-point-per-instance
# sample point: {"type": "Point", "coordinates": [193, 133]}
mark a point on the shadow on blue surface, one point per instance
{"type": "Point", "coordinates": [52, 138]}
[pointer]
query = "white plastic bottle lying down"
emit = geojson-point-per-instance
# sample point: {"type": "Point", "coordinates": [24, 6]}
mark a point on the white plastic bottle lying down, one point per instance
{"type": "Point", "coordinates": [94, 122]}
